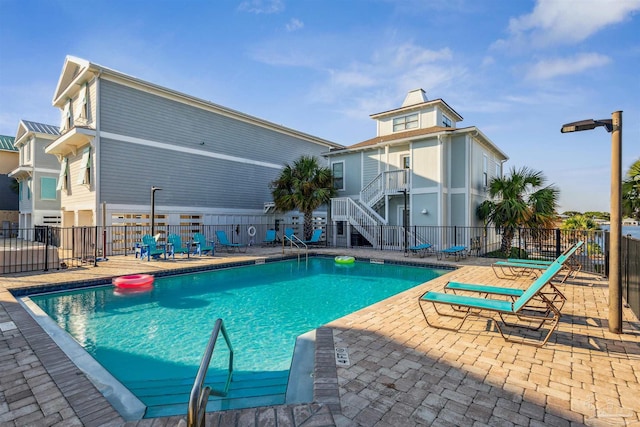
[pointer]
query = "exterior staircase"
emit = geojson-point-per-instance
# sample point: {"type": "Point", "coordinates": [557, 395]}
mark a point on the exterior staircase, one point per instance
{"type": "Point", "coordinates": [363, 214]}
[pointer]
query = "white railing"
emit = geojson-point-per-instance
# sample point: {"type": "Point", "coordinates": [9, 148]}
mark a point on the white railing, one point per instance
{"type": "Point", "coordinates": [346, 209]}
{"type": "Point", "coordinates": [390, 182]}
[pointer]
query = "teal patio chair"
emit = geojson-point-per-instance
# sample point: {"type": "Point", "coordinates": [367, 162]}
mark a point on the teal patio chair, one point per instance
{"type": "Point", "coordinates": [315, 237]}
{"type": "Point", "coordinates": [421, 249]}
{"type": "Point", "coordinates": [288, 233]}
{"type": "Point", "coordinates": [175, 245]}
{"type": "Point", "coordinates": [514, 267]}
{"type": "Point", "coordinates": [225, 243]}
{"type": "Point", "coordinates": [526, 307]}
{"type": "Point", "coordinates": [455, 251]}
{"type": "Point", "coordinates": [150, 248]}
{"type": "Point", "coordinates": [270, 238]}
{"type": "Point", "coordinates": [202, 245]}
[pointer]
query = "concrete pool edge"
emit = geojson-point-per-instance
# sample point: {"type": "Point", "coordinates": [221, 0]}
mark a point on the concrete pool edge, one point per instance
{"type": "Point", "coordinates": [123, 401]}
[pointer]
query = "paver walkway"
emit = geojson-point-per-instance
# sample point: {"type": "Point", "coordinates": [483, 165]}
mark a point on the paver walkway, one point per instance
{"type": "Point", "coordinates": [401, 372]}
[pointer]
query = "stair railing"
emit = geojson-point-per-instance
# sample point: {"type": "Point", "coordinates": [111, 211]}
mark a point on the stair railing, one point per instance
{"type": "Point", "coordinates": [199, 393]}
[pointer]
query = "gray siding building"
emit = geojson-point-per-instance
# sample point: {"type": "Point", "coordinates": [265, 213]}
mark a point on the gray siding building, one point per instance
{"type": "Point", "coordinates": [121, 136]}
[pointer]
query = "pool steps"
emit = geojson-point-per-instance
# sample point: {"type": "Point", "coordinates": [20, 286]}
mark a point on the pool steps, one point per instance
{"type": "Point", "coordinates": [248, 389]}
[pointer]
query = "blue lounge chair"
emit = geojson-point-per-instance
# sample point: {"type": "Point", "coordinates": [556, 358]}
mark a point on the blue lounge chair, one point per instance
{"type": "Point", "coordinates": [150, 248]}
{"type": "Point", "coordinates": [315, 237]}
{"type": "Point", "coordinates": [225, 243]}
{"type": "Point", "coordinates": [202, 245]}
{"type": "Point", "coordinates": [288, 233]}
{"type": "Point", "coordinates": [456, 251]}
{"type": "Point", "coordinates": [526, 307]}
{"type": "Point", "coordinates": [513, 267]}
{"type": "Point", "coordinates": [175, 245]}
{"type": "Point", "coordinates": [270, 238]}
{"type": "Point", "coordinates": [422, 249]}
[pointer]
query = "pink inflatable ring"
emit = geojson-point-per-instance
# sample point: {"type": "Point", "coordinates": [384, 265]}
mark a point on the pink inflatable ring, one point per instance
{"type": "Point", "coordinates": [134, 281]}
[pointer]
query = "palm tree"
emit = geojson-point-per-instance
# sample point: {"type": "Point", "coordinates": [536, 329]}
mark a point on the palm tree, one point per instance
{"type": "Point", "coordinates": [631, 192]}
{"type": "Point", "coordinates": [519, 199]}
{"type": "Point", "coordinates": [305, 186]}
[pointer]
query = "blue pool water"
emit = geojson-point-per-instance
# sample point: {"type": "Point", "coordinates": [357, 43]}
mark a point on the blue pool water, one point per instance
{"type": "Point", "coordinates": [162, 334]}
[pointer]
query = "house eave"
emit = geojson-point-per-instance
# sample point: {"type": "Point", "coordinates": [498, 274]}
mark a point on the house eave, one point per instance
{"type": "Point", "coordinates": [21, 172]}
{"type": "Point", "coordinates": [70, 142]}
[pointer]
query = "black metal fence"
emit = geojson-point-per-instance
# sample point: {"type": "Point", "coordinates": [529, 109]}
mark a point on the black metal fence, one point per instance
{"type": "Point", "coordinates": [630, 259]}
{"type": "Point", "coordinates": [50, 248]}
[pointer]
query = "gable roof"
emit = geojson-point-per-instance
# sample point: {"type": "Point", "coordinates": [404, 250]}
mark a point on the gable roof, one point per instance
{"type": "Point", "coordinates": [417, 134]}
{"type": "Point", "coordinates": [77, 71]}
{"type": "Point", "coordinates": [41, 128]}
{"type": "Point", "coordinates": [6, 143]}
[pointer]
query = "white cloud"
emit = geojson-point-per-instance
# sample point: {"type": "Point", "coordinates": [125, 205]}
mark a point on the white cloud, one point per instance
{"type": "Point", "coordinates": [294, 24]}
{"type": "Point", "coordinates": [550, 68]}
{"type": "Point", "coordinates": [261, 6]}
{"type": "Point", "coordinates": [561, 22]}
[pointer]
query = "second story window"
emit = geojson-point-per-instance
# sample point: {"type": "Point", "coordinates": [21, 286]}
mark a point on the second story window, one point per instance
{"type": "Point", "coordinates": [446, 121]}
{"type": "Point", "coordinates": [84, 102]}
{"type": "Point", "coordinates": [405, 122]}
{"type": "Point", "coordinates": [485, 170]}
{"type": "Point", "coordinates": [337, 170]}
{"type": "Point", "coordinates": [27, 151]}
{"type": "Point", "coordinates": [67, 117]}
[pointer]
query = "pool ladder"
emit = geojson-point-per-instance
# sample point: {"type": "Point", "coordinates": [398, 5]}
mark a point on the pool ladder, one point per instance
{"type": "Point", "coordinates": [299, 244]}
{"type": "Point", "coordinates": [199, 393]}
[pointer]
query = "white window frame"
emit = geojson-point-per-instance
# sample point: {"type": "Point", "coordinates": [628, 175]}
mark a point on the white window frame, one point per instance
{"type": "Point", "coordinates": [27, 151]}
{"type": "Point", "coordinates": [67, 116]}
{"type": "Point", "coordinates": [446, 121]}
{"type": "Point", "coordinates": [410, 121]}
{"type": "Point", "coordinates": [485, 171]}
{"type": "Point", "coordinates": [341, 162]}
{"type": "Point", "coordinates": [84, 176]}
{"type": "Point", "coordinates": [62, 177]}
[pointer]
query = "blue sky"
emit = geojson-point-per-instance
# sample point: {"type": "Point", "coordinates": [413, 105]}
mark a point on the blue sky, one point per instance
{"type": "Point", "coordinates": [517, 70]}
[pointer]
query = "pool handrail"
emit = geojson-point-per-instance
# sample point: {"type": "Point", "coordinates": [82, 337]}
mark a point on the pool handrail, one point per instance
{"type": "Point", "coordinates": [297, 242]}
{"type": "Point", "coordinates": [200, 396]}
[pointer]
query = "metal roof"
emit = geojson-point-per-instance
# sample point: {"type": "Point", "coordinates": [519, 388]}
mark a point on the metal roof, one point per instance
{"type": "Point", "coordinates": [41, 128]}
{"type": "Point", "coordinates": [6, 143]}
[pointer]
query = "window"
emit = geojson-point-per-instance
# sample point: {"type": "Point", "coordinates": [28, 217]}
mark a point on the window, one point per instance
{"type": "Point", "coordinates": [337, 170]}
{"type": "Point", "coordinates": [405, 122]}
{"type": "Point", "coordinates": [406, 162]}
{"type": "Point", "coordinates": [446, 121]}
{"type": "Point", "coordinates": [27, 151]}
{"type": "Point", "coordinates": [48, 188]}
{"type": "Point", "coordinates": [84, 102]}
{"type": "Point", "coordinates": [67, 117]}
{"type": "Point", "coordinates": [485, 170]}
{"type": "Point", "coordinates": [19, 190]}
{"type": "Point", "coordinates": [498, 171]}
{"type": "Point", "coordinates": [29, 189]}
{"type": "Point", "coordinates": [84, 176]}
{"type": "Point", "coordinates": [62, 178]}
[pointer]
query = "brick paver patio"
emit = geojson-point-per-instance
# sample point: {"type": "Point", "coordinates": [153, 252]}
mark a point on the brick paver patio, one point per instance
{"type": "Point", "coordinates": [401, 373]}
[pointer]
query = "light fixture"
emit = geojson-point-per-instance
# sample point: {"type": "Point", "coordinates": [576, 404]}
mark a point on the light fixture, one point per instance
{"type": "Point", "coordinates": [613, 126]}
{"type": "Point", "coordinates": [424, 211]}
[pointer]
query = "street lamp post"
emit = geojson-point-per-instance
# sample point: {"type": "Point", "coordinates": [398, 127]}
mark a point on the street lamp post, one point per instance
{"type": "Point", "coordinates": [614, 126]}
{"type": "Point", "coordinates": [153, 208]}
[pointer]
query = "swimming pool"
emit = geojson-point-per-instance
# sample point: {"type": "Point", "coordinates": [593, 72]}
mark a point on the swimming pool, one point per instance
{"type": "Point", "coordinates": [155, 340]}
